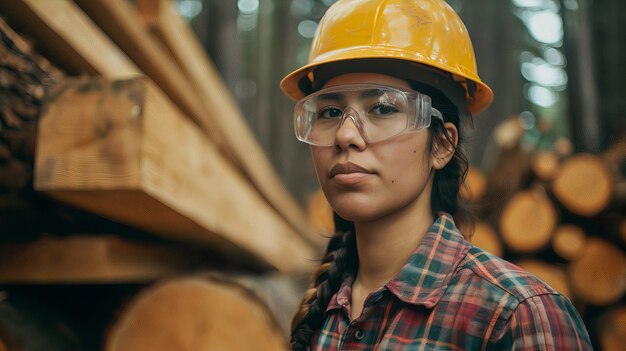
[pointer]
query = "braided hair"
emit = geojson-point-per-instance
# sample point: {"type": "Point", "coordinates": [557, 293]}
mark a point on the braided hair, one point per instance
{"type": "Point", "coordinates": [341, 258]}
{"type": "Point", "coordinates": [340, 261]}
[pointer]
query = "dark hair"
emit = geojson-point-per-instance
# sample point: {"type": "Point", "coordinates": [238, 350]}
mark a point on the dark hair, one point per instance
{"type": "Point", "coordinates": [341, 258]}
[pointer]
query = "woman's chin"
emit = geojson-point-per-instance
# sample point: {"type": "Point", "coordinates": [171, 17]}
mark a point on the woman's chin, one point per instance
{"type": "Point", "coordinates": [357, 211]}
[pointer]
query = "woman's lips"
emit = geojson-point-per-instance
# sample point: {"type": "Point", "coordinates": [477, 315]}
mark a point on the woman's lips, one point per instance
{"type": "Point", "coordinates": [349, 173]}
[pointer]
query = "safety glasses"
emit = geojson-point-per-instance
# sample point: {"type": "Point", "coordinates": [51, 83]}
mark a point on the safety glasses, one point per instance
{"type": "Point", "coordinates": [379, 113]}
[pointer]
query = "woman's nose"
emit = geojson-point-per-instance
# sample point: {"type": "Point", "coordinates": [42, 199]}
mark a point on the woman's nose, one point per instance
{"type": "Point", "coordinates": [349, 135]}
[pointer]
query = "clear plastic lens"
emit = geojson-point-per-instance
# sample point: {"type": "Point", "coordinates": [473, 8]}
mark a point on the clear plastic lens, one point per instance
{"type": "Point", "coordinates": [378, 112]}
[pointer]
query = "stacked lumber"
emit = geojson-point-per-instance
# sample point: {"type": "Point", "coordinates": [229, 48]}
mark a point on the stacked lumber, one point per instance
{"type": "Point", "coordinates": [117, 169]}
{"type": "Point", "coordinates": [556, 214]}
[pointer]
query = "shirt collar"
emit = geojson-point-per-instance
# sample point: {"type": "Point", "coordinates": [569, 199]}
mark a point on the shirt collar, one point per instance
{"type": "Point", "coordinates": [425, 276]}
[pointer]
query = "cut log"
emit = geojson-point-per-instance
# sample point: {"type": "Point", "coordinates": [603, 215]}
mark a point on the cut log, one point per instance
{"type": "Point", "coordinates": [320, 213]}
{"type": "Point", "coordinates": [282, 293]}
{"type": "Point", "coordinates": [236, 137]}
{"type": "Point", "coordinates": [195, 314]}
{"type": "Point", "coordinates": [197, 93]}
{"type": "Point", "coordinates": [552, 274]}
{"type": "Point", "coordinates": [474, 186]}
{"type": "Point", "coordinates": [599, 276]}
{"type": "Point", "coordinates": [615, 154]}
{"type": "Point", "coordinates": [612, 329]}
{"type": "Point", "coordinates": [569, 241]}
{"type": "Point", "coordinates": [528, 221]}
{"type": "Point", "coordinates": [545, 165]}
{"type": "Point", "coordinates": [486, 238]}
{"type": "Point", "coordinates": [122, 150]}
{"type": "Point", "coordinates": [91, 259]}
{"type": "Point", "coordinates": [563, 147]}
{"type": "Point", "coordinates": [584, 185]}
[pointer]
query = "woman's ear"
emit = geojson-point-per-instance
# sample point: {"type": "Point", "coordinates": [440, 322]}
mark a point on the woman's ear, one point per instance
{"type": "Point", "coordinates": [444, 146]}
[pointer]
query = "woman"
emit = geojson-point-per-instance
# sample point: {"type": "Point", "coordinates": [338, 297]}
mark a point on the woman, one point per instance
{"type": "Point", "coordinates": [381, 103]}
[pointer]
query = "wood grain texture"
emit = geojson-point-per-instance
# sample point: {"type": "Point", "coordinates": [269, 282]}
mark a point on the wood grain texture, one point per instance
{"type": "Point", "coordinates": [528, 221]}
{"type": "Point", "coordinates": [599, 275]}
{"type": "Point", "coordinates": [176, 61]}
{"type": "Point", "coordinates": [122, 150]}
{"type": "Point", "coordinates": [569, 241]}
{"type": "Point", "coordinates": [195, 314]}
{"type": "Point", "coordinates": [90, 259]}
{"type": "Point", "coordinates": [68, 37]}
{"type": "Point", "coordinates": [237, 138]}
{"type": "Point", "coordinates": [584, 184]}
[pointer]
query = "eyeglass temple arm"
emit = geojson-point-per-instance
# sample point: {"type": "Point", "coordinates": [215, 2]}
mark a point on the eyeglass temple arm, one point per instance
{"type": "Point", "coordinates": [436, 113]}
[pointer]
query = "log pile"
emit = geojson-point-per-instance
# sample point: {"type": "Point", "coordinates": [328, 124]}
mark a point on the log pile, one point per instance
{"type": "Point", "coordinates": [117, 173]}
{"type": "Point", "coordinates": [556, 214]}
{"type": "Point", "coordinates": [561, 217]}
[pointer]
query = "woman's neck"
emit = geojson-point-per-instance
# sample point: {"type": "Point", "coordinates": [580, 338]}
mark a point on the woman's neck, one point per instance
{"type": "Point", "coordinates": [385, 245]}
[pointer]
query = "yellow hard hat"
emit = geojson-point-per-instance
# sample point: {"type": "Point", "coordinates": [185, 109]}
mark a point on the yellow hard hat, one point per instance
{"type": "Point", "coordinates": [426, 32]}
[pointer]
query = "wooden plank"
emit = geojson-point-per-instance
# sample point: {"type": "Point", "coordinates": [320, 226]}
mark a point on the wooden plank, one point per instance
{"type": "Point", "coordinates": [122, 150]}
{"type": "Point", "coordinates": [198, 91]}
{"type": "Point", "coordinates": [68, 37]}
{"type": "Point", "coordinates": [117, 19]}
{"type": "Point", "coordinates": [90, 259]}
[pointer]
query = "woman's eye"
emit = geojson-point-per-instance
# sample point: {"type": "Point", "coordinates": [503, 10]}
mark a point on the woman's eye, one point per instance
{"type": "Point", "coordinates": [330, 112]}
{"type": "Point", "coordinates": [382, 110]}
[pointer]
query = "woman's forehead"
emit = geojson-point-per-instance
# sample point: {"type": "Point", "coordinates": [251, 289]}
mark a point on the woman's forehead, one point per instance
{"type": "Point", "coordinates": [367, 78]}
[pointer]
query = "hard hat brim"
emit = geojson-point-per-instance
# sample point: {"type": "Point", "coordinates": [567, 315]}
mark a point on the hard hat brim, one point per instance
{"type": "Point", "coordinates": [479, 102]}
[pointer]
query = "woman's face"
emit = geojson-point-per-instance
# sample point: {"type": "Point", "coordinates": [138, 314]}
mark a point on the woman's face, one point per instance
{"type": "Point", "coordinates": [365, 182]}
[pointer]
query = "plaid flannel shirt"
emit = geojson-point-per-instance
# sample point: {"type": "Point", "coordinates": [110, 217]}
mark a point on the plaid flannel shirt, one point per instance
{"type": "Point", "coordinates": [454, 296]}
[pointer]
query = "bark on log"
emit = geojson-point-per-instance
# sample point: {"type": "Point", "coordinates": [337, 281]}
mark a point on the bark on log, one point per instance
{"type": "Point", "coordinates": [599, 276]}
{"type": "Point", "coordinates": [23, 75]}
{"type": "Point", "coordinates": [528, 221]}
{"type": "Point", "coordinates": [122, 150]}
{"type": "Point", "coordinates": [584, 185]}
{"type": "Point", "coordinates": [191, 314]}
{"type": "Point", "coordinates": [569, 242]}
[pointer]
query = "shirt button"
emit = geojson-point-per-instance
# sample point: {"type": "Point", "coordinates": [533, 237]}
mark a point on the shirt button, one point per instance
{"type": "Point", "coordinates": [359, 334]}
